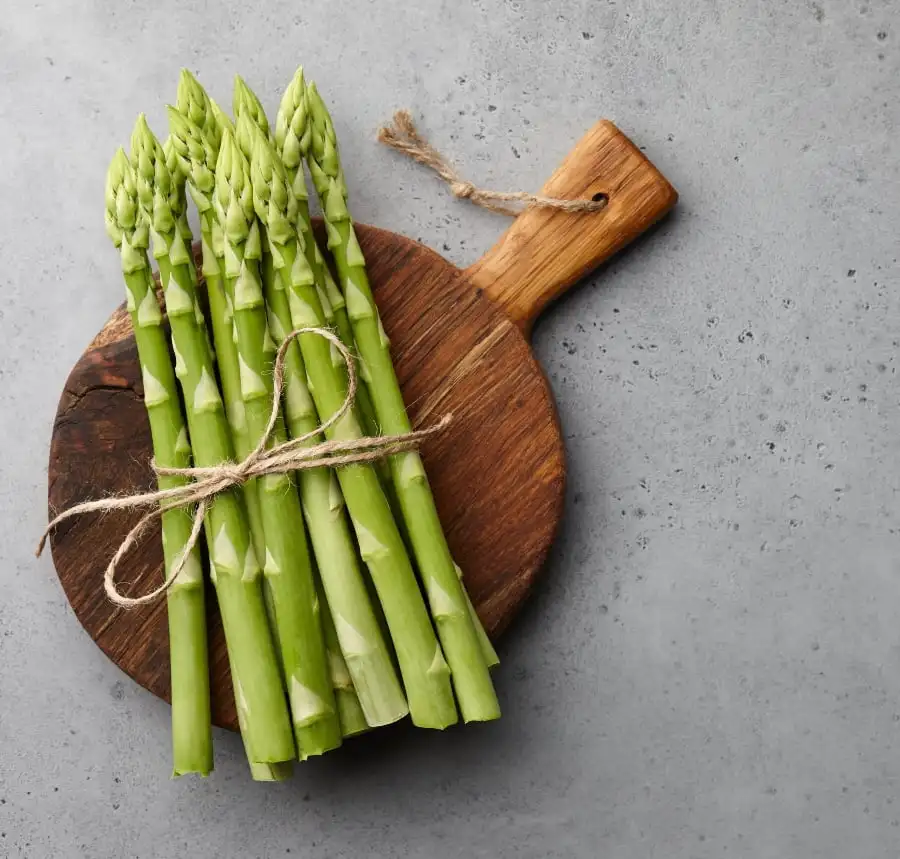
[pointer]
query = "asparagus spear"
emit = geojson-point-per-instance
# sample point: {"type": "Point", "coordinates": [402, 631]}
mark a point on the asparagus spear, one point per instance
{"type": "Point", "coordinates": [422, 664]}
{"type": "Point", "coordinates": [276, 771]}
{"type": "Point", "coordinates": [191, 726]}
{"type": "Point", "coordinates": [235, 569]}
{"type": "Point", "coordinates": [487, 648]}
{"type": "Point", "coordinates": [195, 151]}
{"type": "Point", "coordinates": [350, 711]}
{"type": "Point", "coordinates": [287, 563]}
{"type": "Point", "coordinates": [292, 138]}
{"type": "Point", "coordinates": [446, 595]}
{"type": "Point", "coordinates": [198, 149]}
{"type": "Point", "coordinates": [194, 103]}
{"type": "Point", "coordinates": [367, 656]}
{"type": "Point", "coordinates": [362, 643]}
{"type": "Point", "coordinates": [179, 205]}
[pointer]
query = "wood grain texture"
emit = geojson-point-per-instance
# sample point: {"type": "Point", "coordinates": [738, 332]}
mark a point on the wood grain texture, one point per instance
{"type": "Point", "coordinates": [498, 472]}
{"type": "Point", "coordinates": [545, 251]}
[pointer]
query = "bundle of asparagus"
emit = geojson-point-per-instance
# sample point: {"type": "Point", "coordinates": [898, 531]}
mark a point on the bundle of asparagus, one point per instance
{"type": "Point", "coordinates": [327, 628]}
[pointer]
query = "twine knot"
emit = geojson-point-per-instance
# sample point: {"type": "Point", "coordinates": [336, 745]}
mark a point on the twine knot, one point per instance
{"type": "Point", "coordinates": [463, 190]}
{"type": "Point", "coordinates": [403, 136]}
{"type": "Point", "coordinates": [203, 484]}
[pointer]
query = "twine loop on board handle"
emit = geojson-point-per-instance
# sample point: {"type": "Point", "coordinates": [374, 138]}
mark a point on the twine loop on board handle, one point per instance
{"type": "Point", "coordinates": [403, 136]}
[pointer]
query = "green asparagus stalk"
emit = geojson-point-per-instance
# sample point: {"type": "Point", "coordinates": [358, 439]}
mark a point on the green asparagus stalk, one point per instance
{"type": "Point", "coordinates": [180, 206]}
{"type": "Point", "coordinates": [277, 771]}
{"type": "Point", "coordinates": [196, 147]}
{"type": "Point", "coordinates": [487, 648]}
{"type": "Point", "coordinates": [191, 727]}
{"type": "Point", "coordinates": [235, 569]}
{"type": "Point", "coordinates": [350, 711]}
{"type": "Point", "coordinates": [422, 665]}
{"type": "Point", "coordinates": [446, 595]}
{"type": "Point", "coordinates": [299, 408]}
{"type": "Point", "coordinates": [363, 646]}
{"type": "Point", "coordinates": [198, 150]}
{"type": "Point", "coordinates": [292, 138]}
{"type": "Point", "coordinates": [287, 563]}
{"type": "Point", "coordinates": [194, 151]}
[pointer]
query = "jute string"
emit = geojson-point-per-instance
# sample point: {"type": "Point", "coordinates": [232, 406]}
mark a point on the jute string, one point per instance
{"type": "Point", "coordinates": [403, 136]}
{"type": "Point", "coordinates": [204, 484]}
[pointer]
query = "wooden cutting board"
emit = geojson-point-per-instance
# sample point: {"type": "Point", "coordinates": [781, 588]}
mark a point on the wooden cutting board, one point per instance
{"type": "Point", "coordinates": [460, 345]}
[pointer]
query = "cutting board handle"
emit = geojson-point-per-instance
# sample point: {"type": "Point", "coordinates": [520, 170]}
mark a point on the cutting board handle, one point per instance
{"type": "Point", "coordinates": [545, 251]}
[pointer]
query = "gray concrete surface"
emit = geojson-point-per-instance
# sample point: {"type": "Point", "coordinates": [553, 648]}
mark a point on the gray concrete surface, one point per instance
{"type": "Point", "coordinates": [711, 666]}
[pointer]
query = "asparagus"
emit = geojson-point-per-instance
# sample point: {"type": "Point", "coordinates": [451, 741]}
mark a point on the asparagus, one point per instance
{"type": "Point", "coordinates": [194, 150]}
{"type": "Point", "coordinates": [197, 136]}
{"type": "Point", "coordinates": [276, 771]}
{"type": "Point", "coordinates": [292, 137]}
{"type": "Point", "coordinates": [191, 726]}
{"type": "Point", "coordinates": [287, 563]}
{"type": "Point", "coordinates": [362, 643]}
{"type": "Point", "coordinates": [446, 594]}
{"type": "Point", "coordinates": [299, 407]}
{"type": "Point", "coordinates": [179, 205]}
{"type": "Point", "coordinates": [197, 147]}
{"type": "Point", "coordinates": [194, 104]}
{"type": "Point", "coordinates": [422, 665]}
{"type": "Point", "coordinates": [350, 712]}
{"type": "Point", "coordinates": [487, 648]}
{"type": "Point", "coordinates": [363, 646]}
{"type": "Point", "coordinates": [235, 570]}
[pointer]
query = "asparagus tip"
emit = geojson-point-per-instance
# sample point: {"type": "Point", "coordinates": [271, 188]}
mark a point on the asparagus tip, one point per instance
{"type": "Point", "coordinates": [245, 100]}
{"type": "Point", "coordinates": [186, 80]}
{"type": "Point", "coordinates": [233, 194]}
{"type": "Point", "coordinates": [121, 206]}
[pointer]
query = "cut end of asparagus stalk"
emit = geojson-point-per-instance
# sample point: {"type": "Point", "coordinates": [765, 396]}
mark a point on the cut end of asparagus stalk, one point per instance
{"type": "Point", "coordinates": [353, 720]}
{"type": "Point", "coordinates": [272, 772]}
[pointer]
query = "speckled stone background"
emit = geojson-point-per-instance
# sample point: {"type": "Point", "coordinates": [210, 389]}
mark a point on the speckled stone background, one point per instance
{"type": "Point", "coordinates": [711, 665]}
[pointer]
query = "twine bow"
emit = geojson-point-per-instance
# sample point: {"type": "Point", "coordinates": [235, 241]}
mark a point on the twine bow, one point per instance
{"type": "Point", "coordinates": [403, 136]}
{"type": "Point", "coordinates": [205, 483]}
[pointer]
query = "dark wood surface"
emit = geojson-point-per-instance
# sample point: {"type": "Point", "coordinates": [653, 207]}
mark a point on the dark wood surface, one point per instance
{"type": "Point", "coordinates": [459, 345]}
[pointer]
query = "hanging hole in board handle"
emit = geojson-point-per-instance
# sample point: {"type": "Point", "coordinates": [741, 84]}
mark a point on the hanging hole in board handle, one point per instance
{"type": "Point", "coordinates": [600, 197]}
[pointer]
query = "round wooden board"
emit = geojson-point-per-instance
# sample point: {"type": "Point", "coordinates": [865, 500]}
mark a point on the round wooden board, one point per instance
{"type": "Point", "coordinates": [498, 472]}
